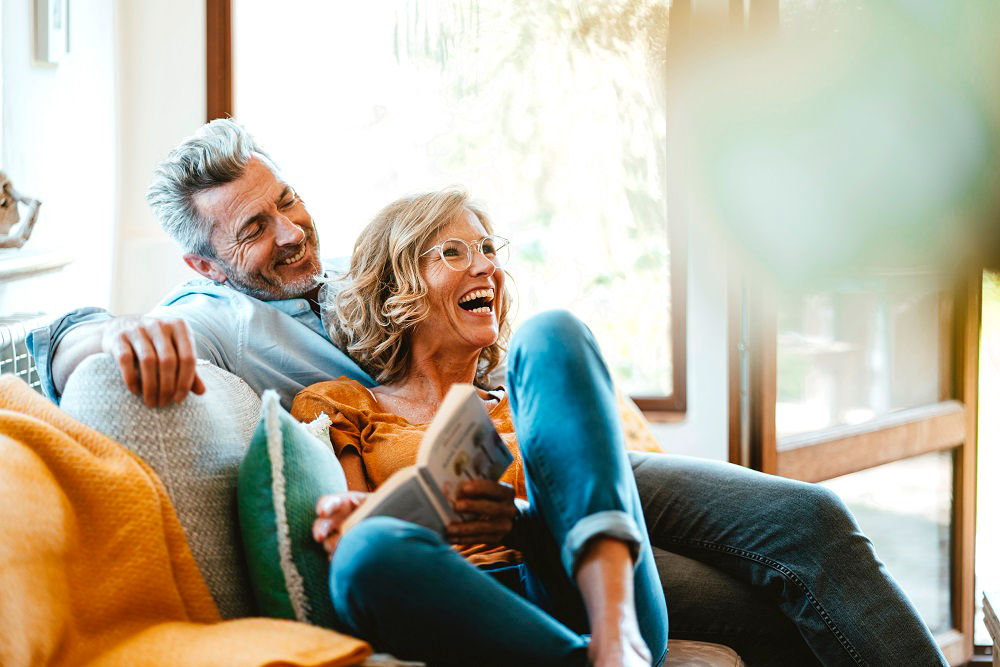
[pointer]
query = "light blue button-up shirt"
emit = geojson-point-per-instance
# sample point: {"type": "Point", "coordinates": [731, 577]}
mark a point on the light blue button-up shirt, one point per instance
{"type": "Point", "coordinates": [278, 345]}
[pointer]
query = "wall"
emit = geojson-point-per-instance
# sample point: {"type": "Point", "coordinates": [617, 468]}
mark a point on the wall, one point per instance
{"type": "Point", "coordinates": [161, 81]}
{"type": "Point", "coordinates": [83, 137]}
{"type": "Point", "coordinates": [704, 431]}
{"type": "Point", "coordinates": [60, 146]}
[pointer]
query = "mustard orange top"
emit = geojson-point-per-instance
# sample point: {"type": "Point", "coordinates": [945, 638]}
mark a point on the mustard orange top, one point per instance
{"type": "Point", "coordinates": [387, 443]}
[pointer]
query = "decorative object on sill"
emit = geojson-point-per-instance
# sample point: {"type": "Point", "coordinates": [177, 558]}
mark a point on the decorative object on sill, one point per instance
{"type": "Point", "coordinates": [9, 215]}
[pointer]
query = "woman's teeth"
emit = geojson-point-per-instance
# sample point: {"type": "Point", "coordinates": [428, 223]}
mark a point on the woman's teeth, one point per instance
{"type": "Point", "coordinates": [299, 255]}
{"type": "Point", "coordinates": [478, 295]}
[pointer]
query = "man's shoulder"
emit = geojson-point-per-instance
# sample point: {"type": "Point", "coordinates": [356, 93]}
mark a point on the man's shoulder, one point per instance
{"type": "Point", "coordinates": [197, 286]}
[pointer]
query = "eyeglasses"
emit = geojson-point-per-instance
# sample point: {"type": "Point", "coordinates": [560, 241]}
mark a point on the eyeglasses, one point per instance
{"type": "Point", "coordinates": [457, 254]}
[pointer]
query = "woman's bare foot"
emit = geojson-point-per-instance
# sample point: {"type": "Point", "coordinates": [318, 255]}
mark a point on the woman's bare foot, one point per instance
{"type": "Point", "coordinates": [622, 649]}
{"type": "Point", "coordinates": [605, 580]}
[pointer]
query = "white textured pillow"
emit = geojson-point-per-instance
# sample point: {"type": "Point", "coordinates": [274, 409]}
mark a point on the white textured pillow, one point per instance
{"type": "Point", "coordinates": [195, 447]}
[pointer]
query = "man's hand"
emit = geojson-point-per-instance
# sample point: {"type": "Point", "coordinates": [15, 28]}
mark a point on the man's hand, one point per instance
{"type": "Point", "coordinates": [156, 357]}
{"type": "Point", "coordinates": [492, 503]}
{"type": "Point", "coordinates": [331, 512]}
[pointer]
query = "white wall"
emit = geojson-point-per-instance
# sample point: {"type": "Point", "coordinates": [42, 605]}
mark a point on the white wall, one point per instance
{"type": "Point", "coordinates": [161, 84]}
{"type": "Point", "coordinates": [59, 146]}
{"type": "Point", "coordinates": [704, 430]}
{"type": "Point", "coordinates": [83, 137]}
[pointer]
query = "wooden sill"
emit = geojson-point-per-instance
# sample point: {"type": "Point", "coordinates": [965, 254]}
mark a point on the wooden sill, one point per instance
{"type": "Point", "coordinates": [664, 416]}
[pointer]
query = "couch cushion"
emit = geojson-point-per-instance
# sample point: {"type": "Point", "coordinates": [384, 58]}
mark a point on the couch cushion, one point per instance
{"type": "Point", "coordinates": [195, 447]}
{"type": "Point", "coordinates": [686, 653]}
{"type": "Point", "coordinates": [285, 470]}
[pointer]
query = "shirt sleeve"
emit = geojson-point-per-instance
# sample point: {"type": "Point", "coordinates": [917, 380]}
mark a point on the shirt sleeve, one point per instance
{"type": "Point", "coordinates": [43, 341]}
{"type": "Point", "coordinates": [345, 430]}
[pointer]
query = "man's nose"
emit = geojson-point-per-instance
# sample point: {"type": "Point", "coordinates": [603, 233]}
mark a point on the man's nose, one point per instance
{"type": "Point", "coordinates": [287, 232]}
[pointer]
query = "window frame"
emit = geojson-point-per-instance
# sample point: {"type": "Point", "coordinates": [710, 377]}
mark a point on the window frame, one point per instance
{"type": "Point", "coordinates": [950, 424]}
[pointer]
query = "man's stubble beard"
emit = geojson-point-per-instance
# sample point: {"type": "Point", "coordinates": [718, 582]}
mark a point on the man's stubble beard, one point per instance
{"type": "Point", "coordinates": [269, 288]}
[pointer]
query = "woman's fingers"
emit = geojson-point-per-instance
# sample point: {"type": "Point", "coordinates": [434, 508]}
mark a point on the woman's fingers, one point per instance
{"type": "Point", "coordinates": [337, 504]}
{"type": "Point", "coordinates": [492, 505]}
{"type": "Point", "coordinates": [486, 489]}
{"type": "Point", "coordinates": [487, 508]}
{"type": "Point", "coordinates": [479, 531]}
{"type": "Point", "coordinates": [326, 533]}
{"type": "Point", "coordinates": [331, 512]}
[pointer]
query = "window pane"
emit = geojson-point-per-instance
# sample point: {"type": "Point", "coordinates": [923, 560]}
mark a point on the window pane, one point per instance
{"type": "Point", "coordinates": [849, 354]}
{"type": "Point", "coordinates": [554, 119]}
{"type": "Point", "coordinates": [905, 508]}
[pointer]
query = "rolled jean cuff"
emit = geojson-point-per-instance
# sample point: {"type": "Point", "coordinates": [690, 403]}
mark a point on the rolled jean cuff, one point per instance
{"type": "Point", "coordinates": [615, 524]}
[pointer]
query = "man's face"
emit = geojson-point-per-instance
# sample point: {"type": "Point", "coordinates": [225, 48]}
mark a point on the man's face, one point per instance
{"type": "Point", "coordinates": [264, 239]}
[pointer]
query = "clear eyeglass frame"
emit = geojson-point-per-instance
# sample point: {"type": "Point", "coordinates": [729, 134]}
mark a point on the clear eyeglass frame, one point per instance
{"type": "Point", "coordinates": [498, 257]}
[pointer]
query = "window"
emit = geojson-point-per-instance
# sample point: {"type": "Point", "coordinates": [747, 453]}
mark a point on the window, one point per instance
{"type": "Point", "coordinates": [554, 120]}
{"type": "Point", "coordinates": [853, 365]}
{"type": "Point", "coordinates": [867, 347]}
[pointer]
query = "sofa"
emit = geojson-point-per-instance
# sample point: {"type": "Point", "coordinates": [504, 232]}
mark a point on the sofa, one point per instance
{"type": "Point", "coordinates": [195, 449]}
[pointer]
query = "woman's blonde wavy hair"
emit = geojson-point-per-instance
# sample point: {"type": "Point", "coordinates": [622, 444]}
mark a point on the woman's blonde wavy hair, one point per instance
{"type": "Point", "coordinates": [384, 299]}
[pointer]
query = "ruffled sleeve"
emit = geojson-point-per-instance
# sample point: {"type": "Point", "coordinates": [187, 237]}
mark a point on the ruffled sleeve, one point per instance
{"type": "Point", "coordinates": [345, 402]}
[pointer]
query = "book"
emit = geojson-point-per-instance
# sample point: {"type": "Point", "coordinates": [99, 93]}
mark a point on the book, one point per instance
{"type": "Point", "coordinates": [460, 444]}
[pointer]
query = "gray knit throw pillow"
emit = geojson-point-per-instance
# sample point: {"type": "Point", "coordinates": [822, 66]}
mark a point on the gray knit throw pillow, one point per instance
{"type": "Point", "coordinates": [195, 447]}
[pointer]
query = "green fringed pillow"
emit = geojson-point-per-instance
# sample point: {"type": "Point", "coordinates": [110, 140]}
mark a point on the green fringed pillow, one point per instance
{"type": "Point", "coordinates": [285, 469]}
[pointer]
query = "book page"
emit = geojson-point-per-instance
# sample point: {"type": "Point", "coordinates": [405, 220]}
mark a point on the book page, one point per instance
{"type": "Point", "coordinates": [462, 444]}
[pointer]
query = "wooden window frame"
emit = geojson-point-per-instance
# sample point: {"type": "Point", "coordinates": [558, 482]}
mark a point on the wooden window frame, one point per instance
{"type": "Point", "coordinates": [220, 104]}
{"type": "Point", "coordinates": [950, 424]}
{"type": "Point", "coordinates": [219, 59]}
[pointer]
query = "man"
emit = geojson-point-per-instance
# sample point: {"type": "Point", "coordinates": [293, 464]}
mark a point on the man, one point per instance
{"type": "Point", "coordinates": [255, 313]}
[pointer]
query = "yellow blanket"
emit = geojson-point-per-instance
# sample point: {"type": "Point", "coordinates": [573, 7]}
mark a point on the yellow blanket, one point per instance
{"type": "Point", "coordinates": [94, 567]}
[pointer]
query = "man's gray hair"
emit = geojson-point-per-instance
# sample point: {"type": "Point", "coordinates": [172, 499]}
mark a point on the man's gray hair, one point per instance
{"type": "Point", "coordinates": [216, 154]}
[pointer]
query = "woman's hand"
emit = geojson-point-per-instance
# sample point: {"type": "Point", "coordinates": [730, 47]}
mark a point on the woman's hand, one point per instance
{"type": "Point", "coordinates": [331, 512]}
{"type": "Point", "coordinates": [493, 505]}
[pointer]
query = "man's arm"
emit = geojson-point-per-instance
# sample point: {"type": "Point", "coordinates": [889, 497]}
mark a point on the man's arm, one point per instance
{"type": "Point", "coordinates": [156, 356]}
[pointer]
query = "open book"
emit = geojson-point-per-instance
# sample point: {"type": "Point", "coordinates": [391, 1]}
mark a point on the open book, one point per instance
{"type": "Point", "coordinates": [460, 444]}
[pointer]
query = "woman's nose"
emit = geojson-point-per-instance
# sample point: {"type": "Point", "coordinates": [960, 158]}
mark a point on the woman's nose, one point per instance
{"type": "Point", "coordinates": [481, 265]}
{"type": "Point", "coordinates": [287, 232]}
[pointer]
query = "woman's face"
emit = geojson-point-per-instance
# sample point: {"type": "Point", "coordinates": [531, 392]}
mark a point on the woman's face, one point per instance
{"type": "Point", "coordinates": [452, 320]}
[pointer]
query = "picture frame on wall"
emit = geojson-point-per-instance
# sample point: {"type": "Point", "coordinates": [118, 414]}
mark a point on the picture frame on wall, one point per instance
{"type": "Point", "coordinates": [51, 30]}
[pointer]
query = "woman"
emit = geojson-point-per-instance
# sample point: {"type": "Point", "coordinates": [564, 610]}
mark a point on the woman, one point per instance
{"type": "Point", "coordinates": [583, 564]}
{"type": "Point", "coordinates": [426, 307]}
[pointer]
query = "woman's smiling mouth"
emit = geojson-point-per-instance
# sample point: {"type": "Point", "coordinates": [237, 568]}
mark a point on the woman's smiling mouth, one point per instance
{"type": "Point", "coordinates": [477, 301]}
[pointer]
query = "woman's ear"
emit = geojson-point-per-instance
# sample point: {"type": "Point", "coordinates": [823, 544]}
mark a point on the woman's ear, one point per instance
{"type": "Point", "coordinates": [206, 267]}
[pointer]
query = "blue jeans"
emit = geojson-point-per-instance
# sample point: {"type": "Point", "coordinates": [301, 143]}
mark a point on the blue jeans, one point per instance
{"type": "Point", "coordinates": [402, 588]}
{"type": "Point", "coordinates": [775, 568]}
{"type": "Point", "coordinates": [806, 584]}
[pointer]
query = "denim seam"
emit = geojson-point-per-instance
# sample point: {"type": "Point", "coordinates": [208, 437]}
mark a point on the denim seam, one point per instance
{"type": "Point", "coordinates": [791, 576]}
{"type": "Point", "coordinates": [555, 498]}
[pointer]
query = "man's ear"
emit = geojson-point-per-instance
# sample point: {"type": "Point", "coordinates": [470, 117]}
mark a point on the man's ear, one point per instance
{"type": "Point", "coordinates": [205, 267]}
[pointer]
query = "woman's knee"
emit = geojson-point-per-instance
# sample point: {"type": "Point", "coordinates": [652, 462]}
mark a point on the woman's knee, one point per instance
{"type": "Point", "coordinates": [554, 345]}
{"type": "Point", "coordinates": [555, 328]}
{"type": "Point", "coordinates": [376, 552]}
